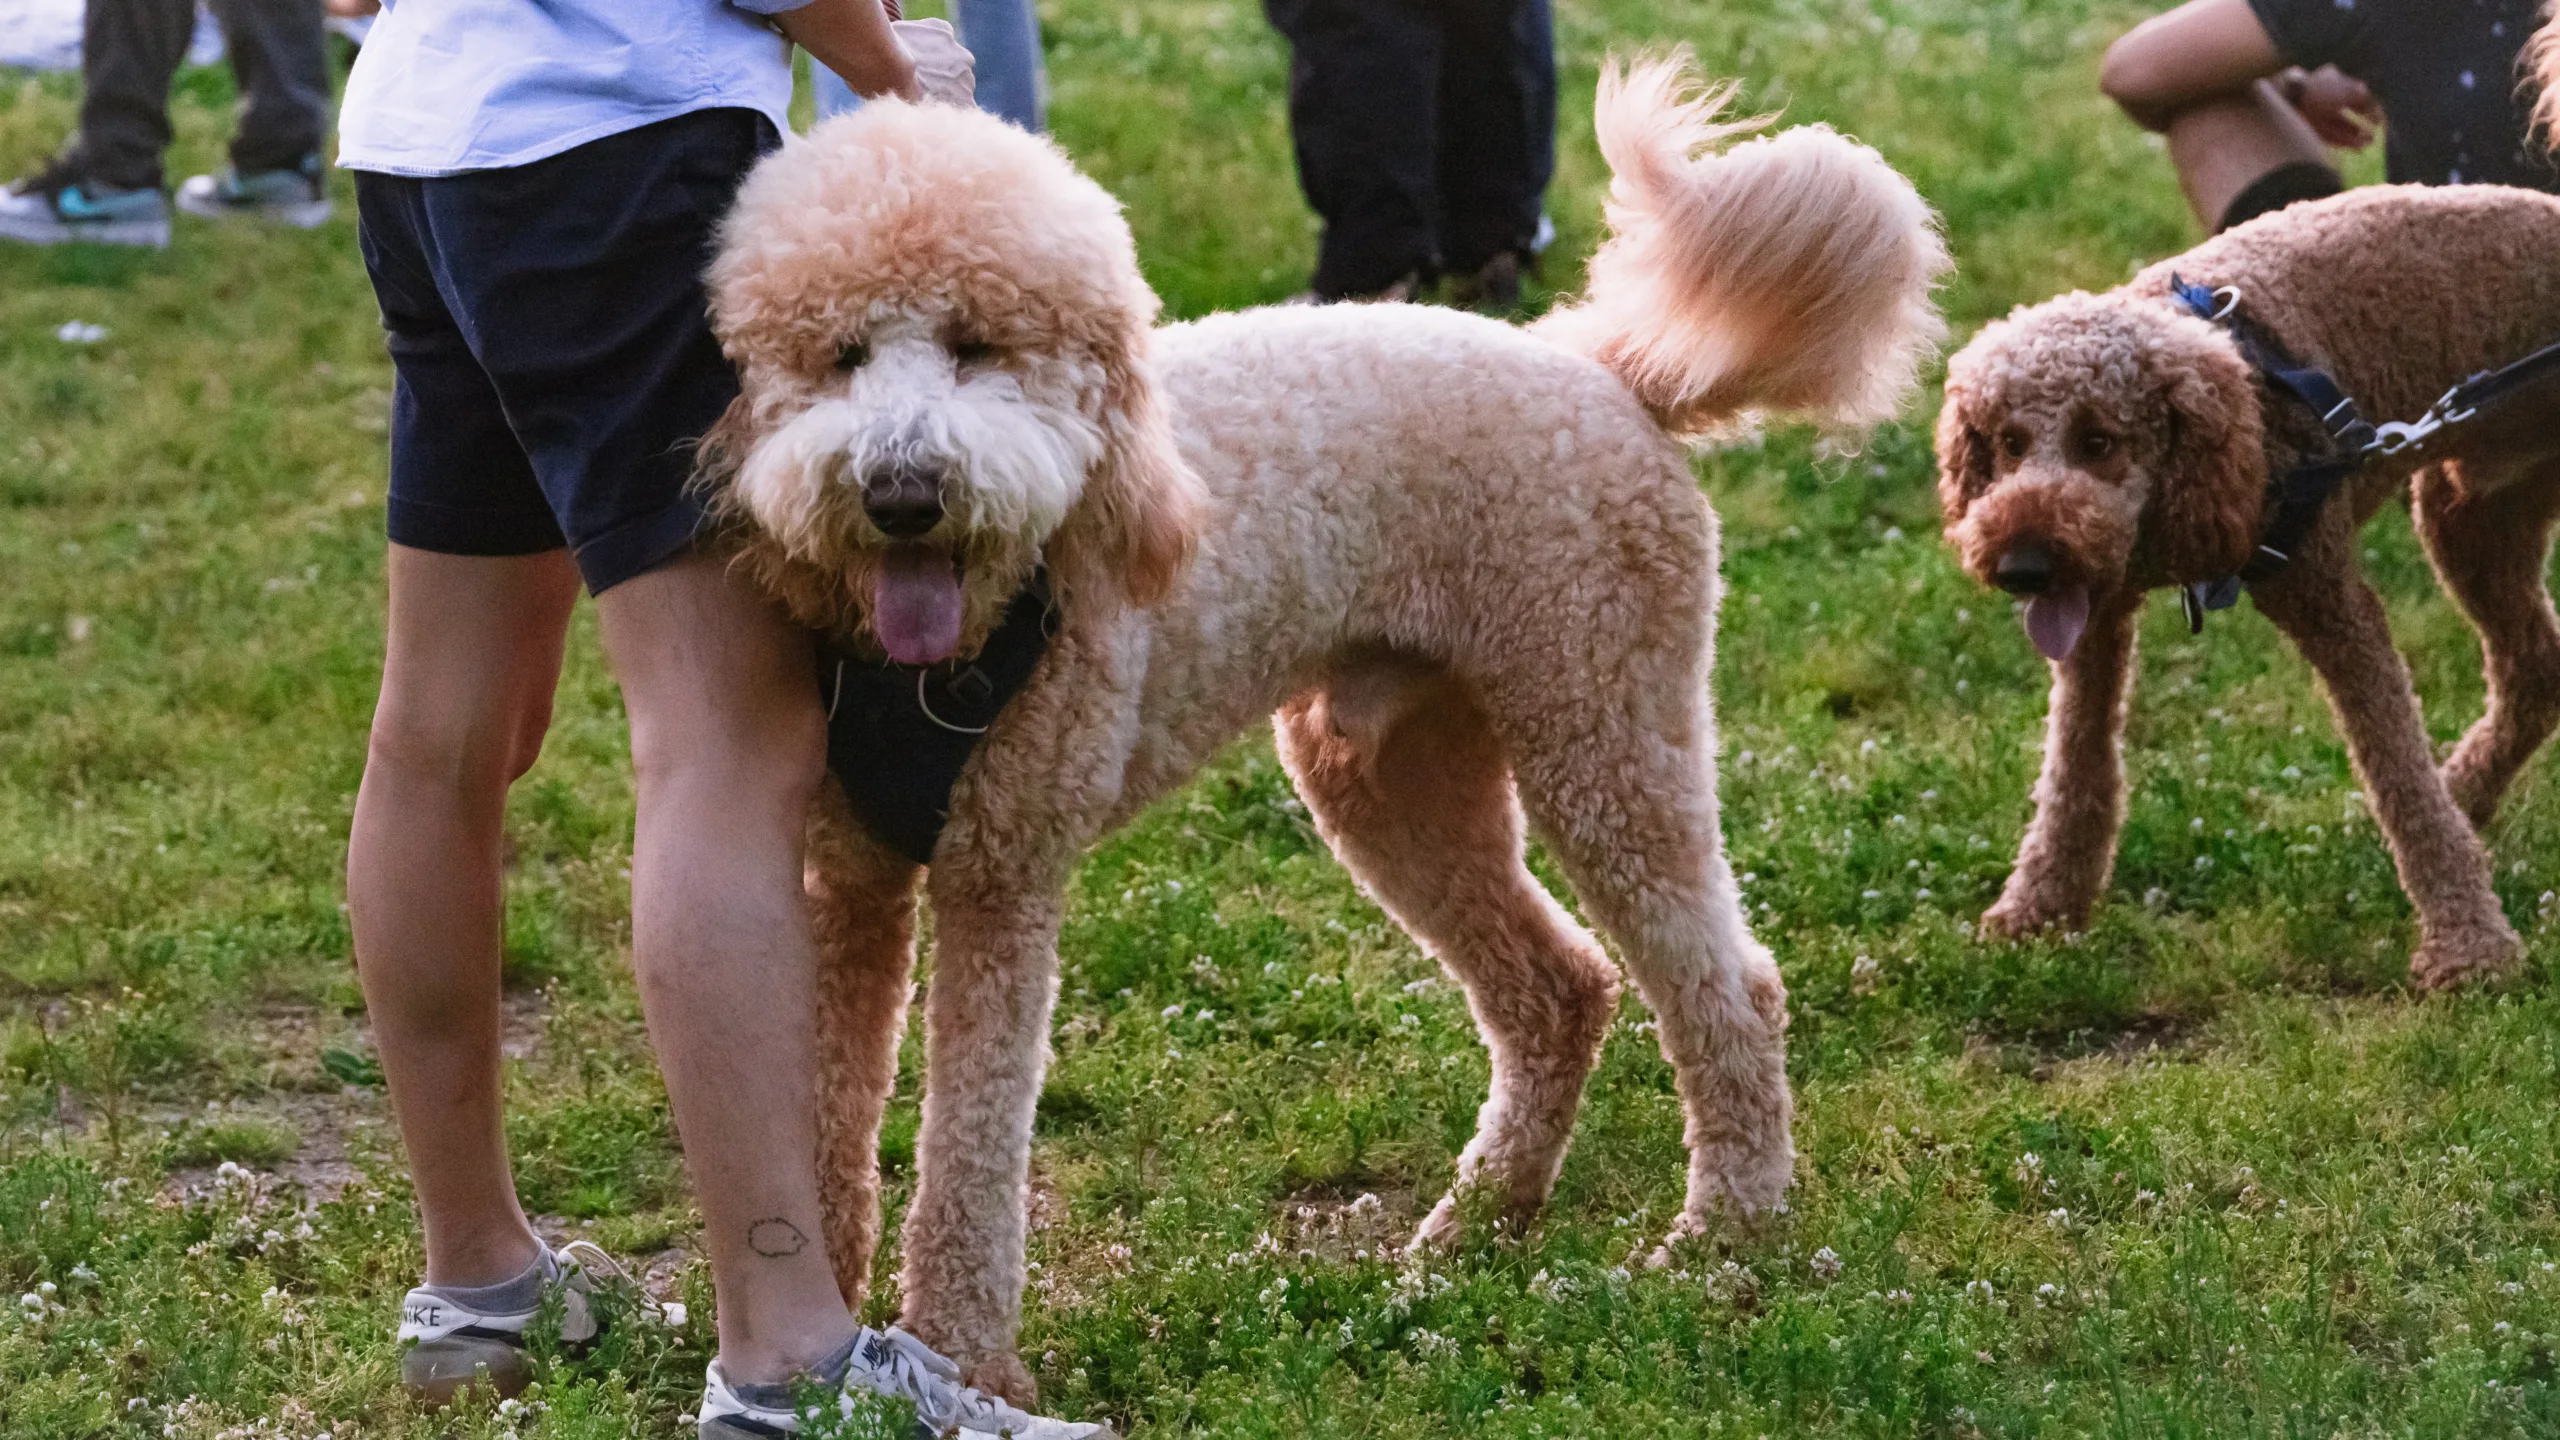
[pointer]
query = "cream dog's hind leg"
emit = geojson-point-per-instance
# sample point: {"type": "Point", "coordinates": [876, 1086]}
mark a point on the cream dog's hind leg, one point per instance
{"type": "Point", "coordinates": [1409, 787]}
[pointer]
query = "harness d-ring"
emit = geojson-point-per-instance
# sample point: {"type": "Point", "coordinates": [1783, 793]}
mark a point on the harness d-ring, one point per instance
{"type": "Point", "coordinates": [835, 697]}
{"type": "Point", "coordinates": [927, 707]}
{"type": "Point", "coordinates": [2229, 295]}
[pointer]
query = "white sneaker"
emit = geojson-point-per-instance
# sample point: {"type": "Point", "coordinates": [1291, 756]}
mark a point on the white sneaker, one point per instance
{"type": "Point", "coordinates": [446, 1347]}
{"type": "Point", "coordinates": [898, 1365]}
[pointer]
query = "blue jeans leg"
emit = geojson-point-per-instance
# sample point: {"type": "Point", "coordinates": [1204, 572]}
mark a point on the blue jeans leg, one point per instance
{"type": "Point", "coordinates": [1004, 35]}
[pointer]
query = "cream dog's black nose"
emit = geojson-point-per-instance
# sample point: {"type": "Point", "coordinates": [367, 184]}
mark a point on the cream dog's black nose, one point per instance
{"type": "Point", "coordinates": [2025, 569]}
{"type": "Point", "coordinates": [904, 500]}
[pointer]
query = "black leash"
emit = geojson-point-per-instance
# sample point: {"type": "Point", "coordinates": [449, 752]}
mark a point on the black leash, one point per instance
{"type": "Point", "coordinates": [2296, 498]}
{"type": "Point", "coordinates": [899, 735]}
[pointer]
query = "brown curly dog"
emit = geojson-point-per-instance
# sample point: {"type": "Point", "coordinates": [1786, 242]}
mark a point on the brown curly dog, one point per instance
{"type": "Point", "coordinates": [2094, 447]}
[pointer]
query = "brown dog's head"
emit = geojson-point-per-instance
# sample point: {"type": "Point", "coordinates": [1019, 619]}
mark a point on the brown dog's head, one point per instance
{"type": "Point", "coordinates": [941, 333]}
{"type": "Point", "coordinates": [2094, 442]}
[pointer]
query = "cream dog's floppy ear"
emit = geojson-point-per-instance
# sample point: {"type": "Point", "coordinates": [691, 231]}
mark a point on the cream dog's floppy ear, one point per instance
{"type": "Point", "coordinates": [2214, 484]}
{"type": "Point", "coordinates": [1138, 520]}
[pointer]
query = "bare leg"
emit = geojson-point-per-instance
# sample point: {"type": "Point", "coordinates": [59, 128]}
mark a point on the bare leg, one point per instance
{"type": "Point", "coordinates": [2491, 550]}
{"type": "Point", "coordinates": [2070, 846]}
{"type": "Point", "coordinates": [2221, 146]}
{"type": "Point", "coordinates": [1411, 790]}
{"type": "Point", "coordinates": [727, 743]}
{"type": "Point", "coordinates": [2337, 621]}
{"type": "Point", "coordinates": [473, 658]}
{"type": "Point", "coordinates": [863, 906]}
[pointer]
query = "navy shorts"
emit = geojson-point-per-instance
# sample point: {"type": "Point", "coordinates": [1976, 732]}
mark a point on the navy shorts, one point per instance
{"type": "Point", "coordinates": [553, 350]}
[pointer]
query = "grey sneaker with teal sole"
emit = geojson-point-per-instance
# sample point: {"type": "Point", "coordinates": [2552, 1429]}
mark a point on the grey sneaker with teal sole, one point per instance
{"type": "Point", "coordinates": [55, 209]}
{"type": "Point", "coordinates": [453, 1339]}
{"type": "Point", "coordinates": [298, 197]}
{"type": "Point", "coordinates": [894, 1365]}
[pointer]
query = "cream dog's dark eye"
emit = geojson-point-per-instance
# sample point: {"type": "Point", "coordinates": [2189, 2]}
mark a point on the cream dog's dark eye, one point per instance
{"type": "Point", "coordinates": [2097, 445]}
{"type": "Point", "coordinates": [973, 352]}
{"type": "Point", "coordinates": [853, 355]}
{"type": "Point", "coordinates": [2013, 443]}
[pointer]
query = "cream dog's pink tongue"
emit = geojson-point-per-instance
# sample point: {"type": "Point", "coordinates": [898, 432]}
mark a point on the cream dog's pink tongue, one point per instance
{"type": "Point", "coordinates": [2056, 618]}
{"type": "Point", "coordinates": [915, 605]}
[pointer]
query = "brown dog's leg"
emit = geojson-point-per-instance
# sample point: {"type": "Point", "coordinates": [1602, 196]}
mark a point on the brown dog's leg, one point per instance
{"type": "Point", "coordinates": [2327, 609]}
{"type": "Point", "coordinates": [862, 914]}
{"type": "Point", "coordinates": [2490, 545]}
{"type": "Point", "coordinates": [1409, 787]}
{"type": "Point", "coordinates": [2070, 845]}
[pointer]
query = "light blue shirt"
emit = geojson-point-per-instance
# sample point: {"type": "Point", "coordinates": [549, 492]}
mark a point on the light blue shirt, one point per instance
{"type": "Point", "coordinates": [442, 87]}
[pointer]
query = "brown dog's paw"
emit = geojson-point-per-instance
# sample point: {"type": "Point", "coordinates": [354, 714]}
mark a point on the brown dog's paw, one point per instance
{"type": "Point", "coordinates": [2446, 961]}
{"type": "Point", "coordinates": [2016, 918]}
{"type": "Point", "coordinates": [1003, 1376]}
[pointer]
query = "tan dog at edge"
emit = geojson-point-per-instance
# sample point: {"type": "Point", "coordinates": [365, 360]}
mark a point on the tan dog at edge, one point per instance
{"type": "Point", "coordinates": [2095, 447]}
{"type": "Point", "coordinates": [1467, 564]}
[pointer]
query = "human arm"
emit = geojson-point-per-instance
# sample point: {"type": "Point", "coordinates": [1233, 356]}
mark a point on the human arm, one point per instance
{"type": "Point", "coordinates": [2199, 51]}
{"type": "Point", "coordinates": [851, 37]}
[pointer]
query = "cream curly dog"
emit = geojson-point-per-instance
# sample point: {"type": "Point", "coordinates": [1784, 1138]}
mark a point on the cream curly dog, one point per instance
{"type": "Point", "coordinates": [2095, 447]}
{"type": "Point", "coordinates": [1466, 564]}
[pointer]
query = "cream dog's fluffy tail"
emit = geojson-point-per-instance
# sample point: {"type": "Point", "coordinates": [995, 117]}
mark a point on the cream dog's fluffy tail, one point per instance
{"type": "Point", "coordinates": [2542, 68]}
{"type": "Point", "coordinates": [1790, 272]}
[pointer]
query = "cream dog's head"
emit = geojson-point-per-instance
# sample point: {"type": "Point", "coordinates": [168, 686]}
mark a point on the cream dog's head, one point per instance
{"type": "Point", "coordinates": [941, 333]}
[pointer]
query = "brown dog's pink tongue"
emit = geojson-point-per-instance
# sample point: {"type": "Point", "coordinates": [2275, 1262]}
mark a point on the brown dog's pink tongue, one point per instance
{"type": "Point", "coordinates": [2056, 618]}
{"type": "Point", "coordinates": [915, 605]}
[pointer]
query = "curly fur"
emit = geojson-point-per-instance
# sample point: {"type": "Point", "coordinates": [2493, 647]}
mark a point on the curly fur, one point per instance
{"type": "Point", "coordinates": [2542, 74]}
{"type": "Point", "coordinates": [2126, 440]}
{"type": "Point", "coordinates": [1464, 563]}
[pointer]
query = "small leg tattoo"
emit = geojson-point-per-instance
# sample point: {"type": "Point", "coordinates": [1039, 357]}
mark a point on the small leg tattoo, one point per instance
{"type": "Point", "coordinates": [776, 1238]}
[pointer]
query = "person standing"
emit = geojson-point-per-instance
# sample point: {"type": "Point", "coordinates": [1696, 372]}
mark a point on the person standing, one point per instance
{"type": "Point", "coordinates": [538, 188]}
{"type": "Point", "coordinates": [1425, 138]}
{"type": "Point", "coordinates": [105, 186]}
{"type": "Point", "coordinates": [2252, 93]}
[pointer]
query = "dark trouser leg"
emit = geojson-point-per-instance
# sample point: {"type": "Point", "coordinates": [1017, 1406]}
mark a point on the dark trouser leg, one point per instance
{"type": "Point", "coordinates": [279, 53]}
{"type": "Point", "coordinates": [129, 51]}
{"type": "Point", "coordinates": [1363, 80]}
{"type": "Point", "coordinates": [1497, 127]}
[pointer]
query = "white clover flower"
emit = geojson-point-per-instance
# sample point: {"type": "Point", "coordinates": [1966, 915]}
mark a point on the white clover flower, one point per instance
{"type": "Point", "coordinates": [1826, 1264]}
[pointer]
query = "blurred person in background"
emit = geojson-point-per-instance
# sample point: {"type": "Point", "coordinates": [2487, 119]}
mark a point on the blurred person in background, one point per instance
{"type": "Point", "coordinates": [1425, 137]}
{"type": "Point", "coordinates": [2253, 93]}
{"type": "Point", "coordinates": [105, 184]}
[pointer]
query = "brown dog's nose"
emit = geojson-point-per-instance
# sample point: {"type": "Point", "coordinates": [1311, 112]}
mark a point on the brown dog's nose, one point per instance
{"type": "Point", "coordinates": [904, 500]}
{"type": "Point", "coordinates": [2026, 569]}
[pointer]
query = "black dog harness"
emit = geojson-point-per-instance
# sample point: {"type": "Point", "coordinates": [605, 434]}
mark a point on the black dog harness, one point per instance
{"type": "Point", "coordinates": [2295, 498]}
{"type": "Point", "coordinates": [898, 735]}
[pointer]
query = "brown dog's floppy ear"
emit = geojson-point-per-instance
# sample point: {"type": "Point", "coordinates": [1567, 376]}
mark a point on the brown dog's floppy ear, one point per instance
{"type": "Point", "coordinates": [1138, 520]}
{"type": "Point", "coordinates": [1964, 454]}
{"type": "Point", "coordinates": [2213, 482]}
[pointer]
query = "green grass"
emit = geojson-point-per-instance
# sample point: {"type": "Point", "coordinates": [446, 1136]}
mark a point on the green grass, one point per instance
{"type": "Point", "coordinates": [2206, 1170]}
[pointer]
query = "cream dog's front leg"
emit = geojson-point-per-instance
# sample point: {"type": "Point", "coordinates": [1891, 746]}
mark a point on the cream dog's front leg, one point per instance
{"type": "Point", "coordinates": [2070, 846]}
{"type": "Point", "coordinates": [986, 1047]}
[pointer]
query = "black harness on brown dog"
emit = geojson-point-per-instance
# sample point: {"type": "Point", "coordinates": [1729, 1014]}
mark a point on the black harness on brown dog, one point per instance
{"type": "Point", "coordinates": [899, 735]}
{"type": "Point", "coordinates": [2295, 498]}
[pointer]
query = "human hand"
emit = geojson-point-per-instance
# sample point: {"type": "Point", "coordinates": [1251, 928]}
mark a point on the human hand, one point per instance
{"type": "Point", "coordinates": [2338, 107]}
{"type": "Point", "coordinates": [945, 70]}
